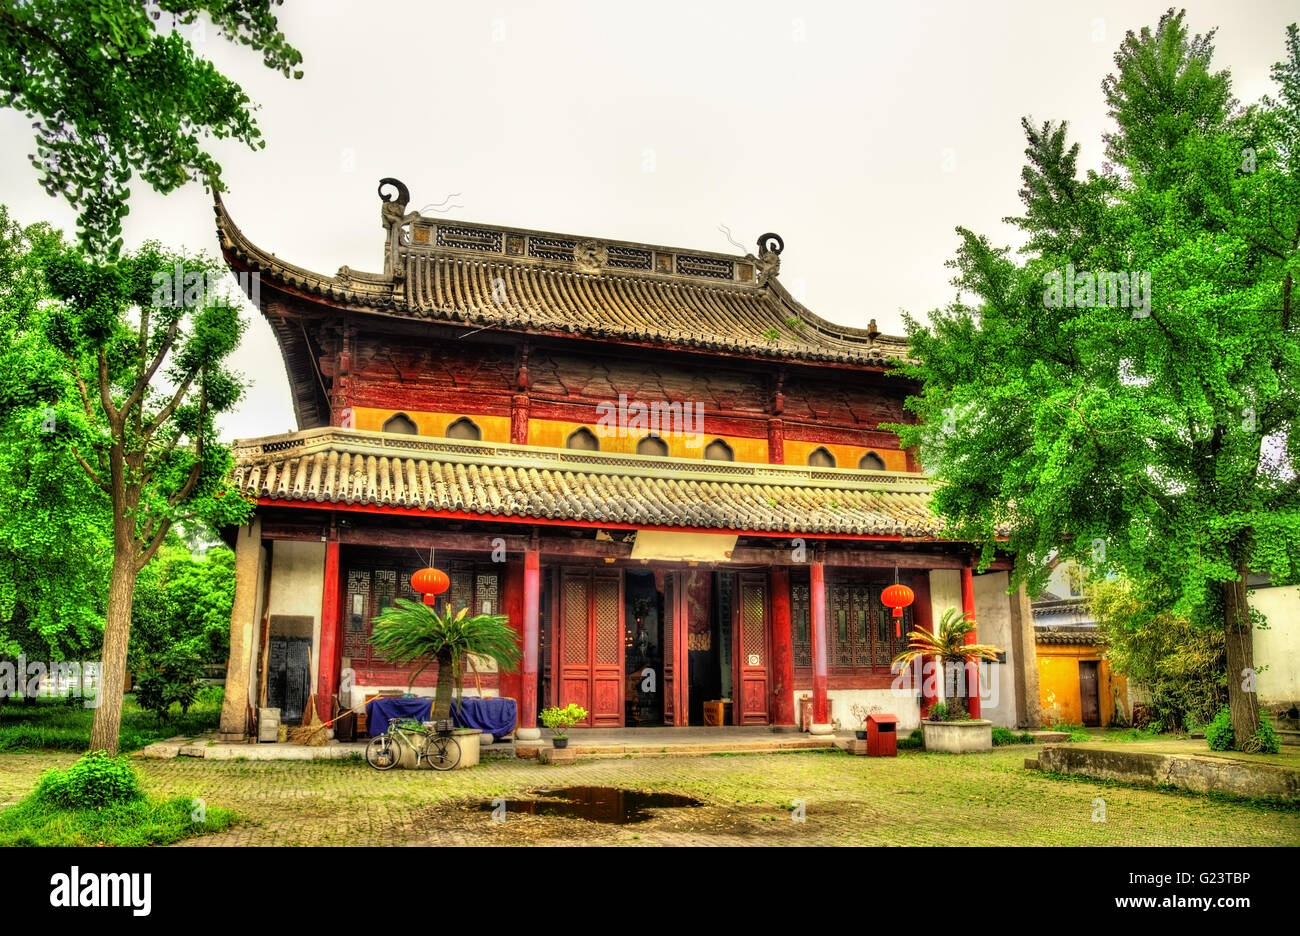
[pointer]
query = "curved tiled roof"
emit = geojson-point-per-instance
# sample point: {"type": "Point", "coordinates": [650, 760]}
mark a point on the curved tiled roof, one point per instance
{"type": "Point", "coordinates": [538, 282]}
{"type": "Point", "coordinates": [338, 466]}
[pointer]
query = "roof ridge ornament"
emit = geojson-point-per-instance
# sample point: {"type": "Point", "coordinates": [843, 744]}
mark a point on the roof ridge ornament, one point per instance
{"type": "Point", "coordinates": [395, 219]}
{"type": "Point", "coordinates": [770, 247]}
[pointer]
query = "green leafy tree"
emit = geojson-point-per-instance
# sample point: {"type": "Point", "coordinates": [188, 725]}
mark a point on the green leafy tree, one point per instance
{"type": "Point", "coordinates": [409, 632]}
{"type": "Point", "coordinates": [183, 601]}
{"type": "Point", "coordinates": [1127, 428]}
{"type": "Point", "coordinates": [129, 356]}
{"type": "Point", "coordinates": [1181, 667]}
{"type": "Point", "coordinates": [115, 88]}
{"type": "Point", "coordinates": [55, 530]}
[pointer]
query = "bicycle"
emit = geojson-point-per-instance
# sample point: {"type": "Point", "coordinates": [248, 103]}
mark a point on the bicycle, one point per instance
{"type": "Point", "coordinates": [433, 744]}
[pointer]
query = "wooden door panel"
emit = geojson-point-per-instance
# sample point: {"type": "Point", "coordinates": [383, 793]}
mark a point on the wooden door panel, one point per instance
{"type": "Point", "coordinates": [1088, 694]}
{"type": "Point", "coordinates": [608, 682]}
{"type": "Point", "coordinates": [574, 642]}
{"type": "Point", "coordinates": [750, 637]}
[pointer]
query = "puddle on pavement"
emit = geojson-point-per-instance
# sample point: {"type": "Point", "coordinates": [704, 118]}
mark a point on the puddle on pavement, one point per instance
{"type": "Point", "coordinates": [595, 804]}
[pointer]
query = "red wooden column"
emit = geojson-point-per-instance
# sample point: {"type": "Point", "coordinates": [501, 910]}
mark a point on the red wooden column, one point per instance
{"type": "Point", "coordinates": [821, 715]}
{"type": "Point", "coordinates": [528, 730]}
{"type": "Point", "coordinates": [923, 618]}
{"type": "Point", "coordinates": [782, 649]}
{"type": "Point", "coordinates": [513, 608]}
{"type": "Point", "coordinates": [331, 635]}
{"type": "Point", "coordinates": [972, 669]}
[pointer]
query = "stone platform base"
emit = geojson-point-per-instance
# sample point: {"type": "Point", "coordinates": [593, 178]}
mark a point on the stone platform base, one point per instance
{"type": "Point", "coordinates": [551, 755]}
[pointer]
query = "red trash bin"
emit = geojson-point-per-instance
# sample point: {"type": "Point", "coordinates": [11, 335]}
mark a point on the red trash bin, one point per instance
{"type": "Point", "coordinates": [882, 736]}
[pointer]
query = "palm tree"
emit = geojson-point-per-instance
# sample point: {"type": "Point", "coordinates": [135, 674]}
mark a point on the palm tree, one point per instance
{"type": "Point", "coordinates": [409, 632]}
{"type": "Point", "coordinates": [947, 643]}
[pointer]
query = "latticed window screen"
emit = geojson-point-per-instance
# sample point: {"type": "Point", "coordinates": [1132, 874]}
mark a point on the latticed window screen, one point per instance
{"type": "Point", "coordinates": [752, 645]}
{"type": "Point", "coordinates": [607, 630]}
{"type": "Point", "coordinates": [800, 620]}
{"type": "Point", "coordinates": [575, 620]}
{"type": "Point", "coordinates": [860, 631]}
{"type": "Point", "coordinates": [356, 614]}
{"type": "Point", "coordinates": [485, 594]}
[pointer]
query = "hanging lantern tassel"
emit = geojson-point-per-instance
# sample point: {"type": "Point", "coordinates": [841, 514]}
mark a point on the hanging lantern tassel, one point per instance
{"type": "Point", "coordinates": [430, 583]}
{"type": "Point", "coordinates": [897, 597]}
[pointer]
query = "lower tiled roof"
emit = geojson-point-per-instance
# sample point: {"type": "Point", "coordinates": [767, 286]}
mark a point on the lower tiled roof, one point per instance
{"type": "Point", "coordinates": [336, 466]}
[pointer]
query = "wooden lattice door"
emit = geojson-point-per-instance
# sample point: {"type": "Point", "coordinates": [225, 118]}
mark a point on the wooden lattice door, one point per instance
{"type": "Point", "coordinates": [750, 630]}
{"type": "Point", "coordinates": [591, 645]}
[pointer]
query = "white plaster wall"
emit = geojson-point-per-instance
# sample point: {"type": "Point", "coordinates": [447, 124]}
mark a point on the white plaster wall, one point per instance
{"type": "Point", "coordinates": [945, 591]}
{"type": "Point", "coordinates": [901, 704]}
{"type": "Point", "coordinates": [997, 680]}
{"type": "Point", "coordinates": [298, 586]}
{"type": "Point", "coordinates": [1278, 647]}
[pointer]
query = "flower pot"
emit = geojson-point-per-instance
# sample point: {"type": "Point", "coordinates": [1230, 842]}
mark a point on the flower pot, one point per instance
{"type": "Point", "coordinates": [861, 734]}
{"type": "Point", "coordinates": [958, 737]}
{"type": "Point", "coordinates": [560, 742]}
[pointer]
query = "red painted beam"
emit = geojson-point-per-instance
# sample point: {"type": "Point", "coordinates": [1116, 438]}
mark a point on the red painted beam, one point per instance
{"type": "Point", "coordinates": [782, 649]}
{"type": "Point", "coordinates": [972, 669]}
{"type": "Point", "coordinates": [331, 634]}
{"type": "Point", "coordinates": [817, 579]}
{"type": "Point", "coordinates": [532, 601]}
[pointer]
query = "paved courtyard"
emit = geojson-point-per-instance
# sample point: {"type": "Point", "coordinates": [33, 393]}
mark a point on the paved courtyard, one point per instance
{"type": "Point", "coordinates": [924, 799]}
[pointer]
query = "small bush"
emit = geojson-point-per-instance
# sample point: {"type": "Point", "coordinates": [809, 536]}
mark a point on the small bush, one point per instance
{"type": "Point", "coordinates": [1265, 740]}
{"type": "Point", "coordinates": [1218, 733]}
{"type": "Point", "coordinates": [93, 782]}
{"type": "Point", "coordinates": [171, 678]}
{"type": "Point", "coordinates": [913, 741]}
{"type": "Point", "coordinates": [1005, 736]}
{"type": "Point", "coordinates": [939, 711]}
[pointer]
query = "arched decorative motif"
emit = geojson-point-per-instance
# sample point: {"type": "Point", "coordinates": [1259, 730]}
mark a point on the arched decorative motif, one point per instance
{"type": "Point", "coordinates": [821, 458]}
{"type": "Point", "coordinates": [464, 428]}
{"type": "Point", "coordinates": [652, 445]}
{"type": "Point", "coordinates": [402, 424]}
{"type": "Point", "coordinates": [582, 439]}
{"type": "Point", "coordinates": [871, 462]}
{"type": "Point", "coordinates": [717, 450]}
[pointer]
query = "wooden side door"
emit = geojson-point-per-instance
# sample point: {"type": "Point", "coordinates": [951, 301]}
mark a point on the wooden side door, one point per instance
{"type": "Point", "coordinates": [590, 645]}
{"type": "Point", "coordinates": [607, 678]}
{"type": "Point", "coordinates": [676, 645]}
{"type": "Point", "coordinates": [751, 651]}
{"type": "Point", "coordinates": [1089, 699]}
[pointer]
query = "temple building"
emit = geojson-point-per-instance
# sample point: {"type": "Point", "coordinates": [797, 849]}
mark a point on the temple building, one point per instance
{"type": "Point", "coordinates": [673, 478]}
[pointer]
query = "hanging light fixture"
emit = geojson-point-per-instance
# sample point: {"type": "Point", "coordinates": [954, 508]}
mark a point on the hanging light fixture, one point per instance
{"type": "Point", "coordinates": [898, 597]}
{"type": "Point", "coordinates": [430, 582]}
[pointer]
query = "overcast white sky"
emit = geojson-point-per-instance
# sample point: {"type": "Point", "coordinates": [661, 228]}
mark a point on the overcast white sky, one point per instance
{"type": "Point", "coordinates": [861, 132]}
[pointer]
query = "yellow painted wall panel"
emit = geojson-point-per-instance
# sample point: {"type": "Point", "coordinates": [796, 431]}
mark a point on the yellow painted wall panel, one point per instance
{"type": "Point", "coordinates": [846, 456]}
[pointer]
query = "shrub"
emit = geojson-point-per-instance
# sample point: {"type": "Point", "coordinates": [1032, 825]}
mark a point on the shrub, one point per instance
{"type": "Point", "coordinates": [93, 782]}
{"type": "Point", "coordinates": [1219, 731]}
{"type": "Point", "coordinates": [913, 741]}
{"type": "Point", "coordinates": [1265, 740]}
{"type": "Point", "coordinates": [939, 711]}
{"type": "Point", "coordinates": [1005, 736]}
{"type": "Point", "coordinates": [171, 678]}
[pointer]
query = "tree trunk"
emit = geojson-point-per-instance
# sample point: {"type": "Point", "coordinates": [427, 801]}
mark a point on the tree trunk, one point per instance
{"type": "Point", "coordinates": [1243, 702]}
{"type": "Point", "coordinates": [442, 695]}
{"type": "Point", "coordinates": [107, 720]}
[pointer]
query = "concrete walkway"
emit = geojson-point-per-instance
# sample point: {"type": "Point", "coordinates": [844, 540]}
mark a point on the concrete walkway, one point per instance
{"type": "Point", "coordinates": [585, 742]}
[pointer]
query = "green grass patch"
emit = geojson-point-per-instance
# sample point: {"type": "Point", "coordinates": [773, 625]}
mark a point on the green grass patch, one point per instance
{"type": "Point", "coordinates": [60, 725]}
{"type": "Point", "coordinates": [1003, 736]}
{"type": "Point", "coordinates": [1076, 732]}
{"type": "Point", "coordinates": [98, 801]}
{"type": "Point", "coordinates": [141, 821]}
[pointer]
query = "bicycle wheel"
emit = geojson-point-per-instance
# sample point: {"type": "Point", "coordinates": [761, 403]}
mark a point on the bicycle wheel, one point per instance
{"type": "Point", "coordinates": [443, 753]}
{"type": "Point", "coordinates": [383, 753]}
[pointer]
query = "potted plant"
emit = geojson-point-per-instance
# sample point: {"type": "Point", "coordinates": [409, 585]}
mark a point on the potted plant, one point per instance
{"type": "Point", "coordinates": [860, 713]}
{"type": "Point", "coordinates": [412, 633]}
{"type": "Point", "coordinates": [949, 726]}
{"type": "Point", "coordinates": [561, 719]}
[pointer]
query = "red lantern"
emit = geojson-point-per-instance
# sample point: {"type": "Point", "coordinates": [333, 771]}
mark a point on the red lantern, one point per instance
{"type": "Point", "coordinates": [430, 582]}
{"type": "Point", "coordinates": [897, 597]}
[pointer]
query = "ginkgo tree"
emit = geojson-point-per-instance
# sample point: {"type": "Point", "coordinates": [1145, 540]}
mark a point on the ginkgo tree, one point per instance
{"type": "Point", "coordinates": [1125, 392]}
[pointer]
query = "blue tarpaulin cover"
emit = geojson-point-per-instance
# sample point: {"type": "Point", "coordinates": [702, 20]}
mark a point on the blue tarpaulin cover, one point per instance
{"type": "Point", "coordinates": [494, 715]}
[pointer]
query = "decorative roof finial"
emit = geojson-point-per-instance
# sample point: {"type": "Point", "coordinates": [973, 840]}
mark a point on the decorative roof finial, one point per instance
{"type": "Point", "coordinates": [403, 193]}
{"type": "Point", "coordinates": [767, 242]}
{"type": "Point", "coordinates": [769, 254]}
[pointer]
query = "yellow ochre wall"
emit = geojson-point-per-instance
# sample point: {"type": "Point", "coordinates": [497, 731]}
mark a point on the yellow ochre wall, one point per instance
{"type": "Point", "coordinates": [555, 434]}
{"type": "Point", "coordinates": [1058, 685]}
